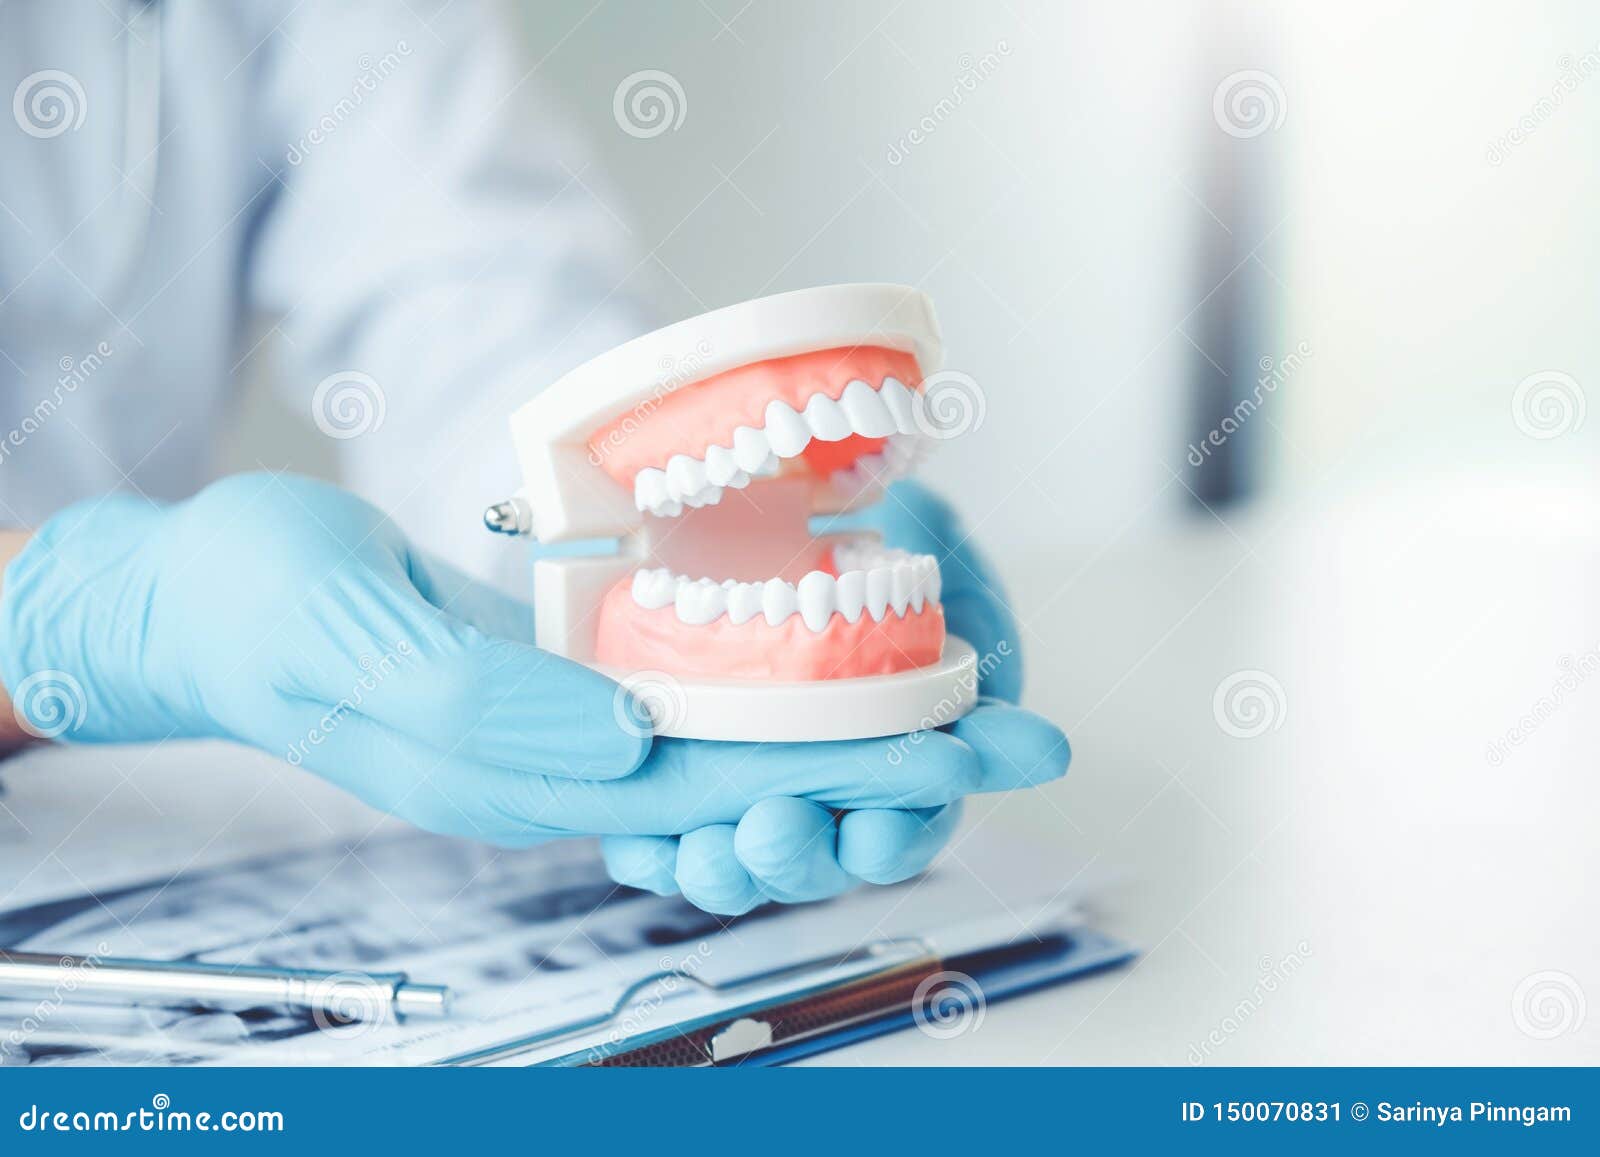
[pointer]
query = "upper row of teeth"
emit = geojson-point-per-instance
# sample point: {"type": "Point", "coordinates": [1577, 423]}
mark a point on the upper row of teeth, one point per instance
{"type": "Point", "coordinates": [896, 582]}
{"type": "Point", "coordinates": [690, 481]}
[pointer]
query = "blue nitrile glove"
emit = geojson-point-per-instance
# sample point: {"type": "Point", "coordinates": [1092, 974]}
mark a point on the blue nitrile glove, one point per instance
{"type": "Point", "coordinates": [292, 616]}
{"type": "Point", "coordinates": [793, 849]}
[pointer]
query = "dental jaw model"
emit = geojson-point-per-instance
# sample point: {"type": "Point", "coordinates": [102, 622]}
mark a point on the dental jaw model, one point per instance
{"type": "Point", "coordinates": [705, 448]}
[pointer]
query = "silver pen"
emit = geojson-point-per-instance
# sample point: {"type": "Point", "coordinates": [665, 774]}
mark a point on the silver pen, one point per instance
{"type": "Point", "coordinates": [347, 996]}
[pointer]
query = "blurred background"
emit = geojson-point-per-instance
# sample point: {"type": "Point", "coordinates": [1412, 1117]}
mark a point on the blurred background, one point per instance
{"type": "Point", "coordinates": [1284, 326]}
{"type": "Point", "coordinates": [1128, 216]}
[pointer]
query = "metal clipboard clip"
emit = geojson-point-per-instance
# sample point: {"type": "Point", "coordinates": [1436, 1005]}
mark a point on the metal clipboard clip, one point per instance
{"type": "Point", "coordinates": [832, 987]}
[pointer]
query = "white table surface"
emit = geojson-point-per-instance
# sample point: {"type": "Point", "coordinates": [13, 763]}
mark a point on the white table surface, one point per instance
{"type": "Point", "coordinates": [1412, 884]}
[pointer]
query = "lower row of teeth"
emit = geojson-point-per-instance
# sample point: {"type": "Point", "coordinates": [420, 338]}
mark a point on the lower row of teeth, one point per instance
{"type": "Point", "coordinates": [897, 582]}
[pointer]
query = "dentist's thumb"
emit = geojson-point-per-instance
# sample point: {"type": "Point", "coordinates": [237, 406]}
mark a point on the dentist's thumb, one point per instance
{"type": "Point", "coordinates": [476, 687]}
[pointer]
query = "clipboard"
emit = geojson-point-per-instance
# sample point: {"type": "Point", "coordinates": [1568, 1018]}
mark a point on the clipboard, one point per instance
{"type": "Point", "coordinates": [937, 982]}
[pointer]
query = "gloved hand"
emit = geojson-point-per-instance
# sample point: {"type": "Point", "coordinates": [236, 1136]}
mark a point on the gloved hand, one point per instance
{"type": "Point", "coordinates": [793, 850]}
{"type": "Point", "coordinates": [292, 616]}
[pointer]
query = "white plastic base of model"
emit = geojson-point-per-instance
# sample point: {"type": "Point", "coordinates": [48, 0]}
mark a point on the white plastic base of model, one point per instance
{"type": "Point", "coordinates": [865, 708]}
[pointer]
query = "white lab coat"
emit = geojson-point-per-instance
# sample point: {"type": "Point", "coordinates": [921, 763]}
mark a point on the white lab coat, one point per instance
{"type": "Point", "coordinates": [383, 179]}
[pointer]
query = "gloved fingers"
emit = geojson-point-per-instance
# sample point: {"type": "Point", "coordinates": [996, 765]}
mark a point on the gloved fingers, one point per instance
{"type": "Point", "coordinates": [979, 615]}
{"type": "Point", "coordinates": [649, 863]}
{"type": "Point", "coordinates": [790, 849]}
{"type": "Point", "coordinates": [840, 774]}
{"type": "Point", "coordinates": [493, 612]}
{"type": "Point", "coordinates": [914, 518]}
{"type": "Point", "coordinates": [887, 845]}
{"type": "Point", "coordinates": [686, 784]}
{"type": "Point", "coordinates": [974, 599]}
{"type": "Point", "coordinates": [398, 774]}
{"type": "Point", "coordinates": [710, 875]}
{"type": "Point", "coordinates": [424, 671]}
{"type": "Point", "coordinates": [683, 786]}
{"type": "Point", "coordinates": [1015, 748]}
{"type": "Point", "coordinates": [449, 793]}
{"type": "Point", "coordinates": [521, 707]}
{"type": "Point", "coordinates": [409, 642]}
